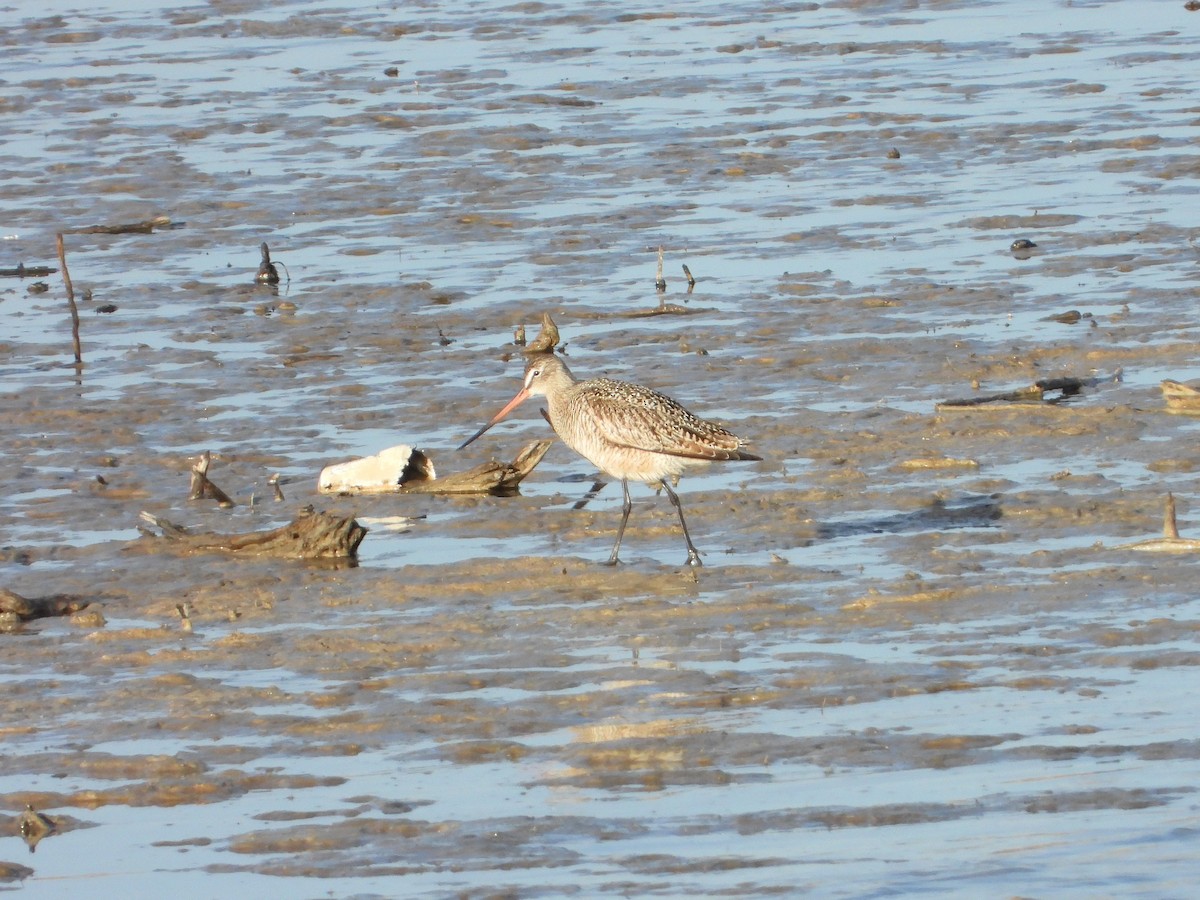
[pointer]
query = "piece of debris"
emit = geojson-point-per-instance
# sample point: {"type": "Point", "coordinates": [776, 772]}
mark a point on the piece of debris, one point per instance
{"type": "Point", "coordinates": [1170, 542]}
{"type": "Point", "coordinates": [395, 524]}
{"type": "Point", "coordinates": [388, 470]}
{"type": "Point", "coordinates": [311, 535]}
{"type": "Point", "coordinates": [26, 608]}
{"type": "Point", "coordinates": [1070, 317]}
{"type": "Point", "coordinates": [24, 271]}
{"type": "Point", "coordinates": [1036, 393]}
{"type": "Point", "coordinates": [1180, 397]}
{"type": "Point", "coordinates": [1023, 248]}
{"type": "Point", "coordinates": [61, 247]}
{"type": "Point", "coordinates": [33, 826]}
{"type": "Point", "coordinates": [402, 470]}
{"type": "Point", "coordinates": [687, 273]}
{"type": "Point", "coordinates": [267, 273]}
{"type": "Point", "coordinates": [547, 338]}
{"type": "Point", "coordinates": [202, 488]}
{"type": "Point", "coordinates": [922, 463]}
{"type": "Point", "coordinates": [145, 227]}
{"type": "Point", "coordinates": [660, 281]}
{"type": "Point", "coordinates": [490, 478]}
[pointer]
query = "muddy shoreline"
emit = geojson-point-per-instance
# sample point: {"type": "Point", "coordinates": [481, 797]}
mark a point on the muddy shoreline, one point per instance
{"type": "Point", "coordinates": [918, 656]}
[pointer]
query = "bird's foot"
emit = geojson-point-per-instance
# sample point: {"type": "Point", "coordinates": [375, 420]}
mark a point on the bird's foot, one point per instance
{"type": "Point", "coordinates": [693, 559]}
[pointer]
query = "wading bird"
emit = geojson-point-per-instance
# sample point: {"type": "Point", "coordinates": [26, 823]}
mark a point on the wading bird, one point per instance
{"type": "Point", "coordinates": [625, 430]}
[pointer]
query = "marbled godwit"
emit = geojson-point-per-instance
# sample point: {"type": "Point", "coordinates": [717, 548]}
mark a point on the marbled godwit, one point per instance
{"type": "Point", "coordinates": [625, 430]}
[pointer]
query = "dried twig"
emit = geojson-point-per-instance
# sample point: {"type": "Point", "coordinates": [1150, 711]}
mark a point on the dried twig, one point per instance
{"type": "Point", "coordinates": [62, 261]}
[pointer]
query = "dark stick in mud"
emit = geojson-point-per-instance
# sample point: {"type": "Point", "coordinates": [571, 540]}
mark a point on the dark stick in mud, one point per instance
{"type": "Point", "coordinates": [62, 261]}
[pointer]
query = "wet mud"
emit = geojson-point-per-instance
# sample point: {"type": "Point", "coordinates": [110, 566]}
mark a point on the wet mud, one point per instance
{"type": "Point", "coordinates": [919, 657]}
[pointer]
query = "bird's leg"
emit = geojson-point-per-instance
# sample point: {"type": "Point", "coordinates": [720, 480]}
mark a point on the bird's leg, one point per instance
{"type": "Point", "coordinates": [693, 554]}
{"type": "Point", "coordinates": [625, 510]}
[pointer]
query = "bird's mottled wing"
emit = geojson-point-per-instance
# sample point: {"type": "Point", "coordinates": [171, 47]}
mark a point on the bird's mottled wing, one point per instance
{"type": "Point", "coordinates": [630, 415]}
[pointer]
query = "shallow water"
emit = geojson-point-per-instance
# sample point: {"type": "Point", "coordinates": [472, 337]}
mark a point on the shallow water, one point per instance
{"type": "Point", "coordinates": [917, 660]}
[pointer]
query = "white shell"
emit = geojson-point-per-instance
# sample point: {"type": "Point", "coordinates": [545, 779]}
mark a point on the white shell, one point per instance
{"type": "Point", "coordinates": [385, 471]}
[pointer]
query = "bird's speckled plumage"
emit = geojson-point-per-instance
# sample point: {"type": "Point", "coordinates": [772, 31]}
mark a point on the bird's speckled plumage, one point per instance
{"type": "Point", "coordinates": [625, 430]}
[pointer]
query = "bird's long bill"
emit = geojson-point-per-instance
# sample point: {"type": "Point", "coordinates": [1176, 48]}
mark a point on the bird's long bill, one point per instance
{"type": "Point", "coordinates": [516, 401]}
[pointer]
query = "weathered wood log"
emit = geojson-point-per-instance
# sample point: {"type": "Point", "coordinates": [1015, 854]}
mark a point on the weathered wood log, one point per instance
{"type": "Point", "coordinates": [547, 339]}
{"type": "Point", "coordinates": [311, 535]}
{"type": "Point", "coordinates": [1036, 393]}
{"type": "Point", "coordinates": [26, 608]}
{"type": "Point", "coordinates": [490, 478]}
{"type": "Point", "coordinates": [24, 271]}
{"type": "Point", "coordinates": [664, 309]}
{"type": "Point", "coordinates": [131, 228]}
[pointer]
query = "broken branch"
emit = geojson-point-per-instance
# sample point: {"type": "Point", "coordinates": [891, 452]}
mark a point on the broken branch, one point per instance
{"type": "Point", "coordinates": [311, 535]}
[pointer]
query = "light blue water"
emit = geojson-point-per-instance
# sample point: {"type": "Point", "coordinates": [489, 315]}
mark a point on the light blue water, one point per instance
{"type": "Point", "coordinates": [535, 157]}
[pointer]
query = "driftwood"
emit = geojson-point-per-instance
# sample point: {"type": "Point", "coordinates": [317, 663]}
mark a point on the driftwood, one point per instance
{"type": "Point", "coordinates": [26, 608]}
{"type": "Point", "coordinates": [132, 228]}
{"type": "Point", "coordinates": [1036, 393]}
{"type": "Point", "coordinates": [1170, 542]}
{"type": "Point", "coordinates": [490, 478]}
{"type": "Point", "coordinates": [202, 488]}
{"type": "Point", "coordinates": [24, 271]}
{"type": "Point", "coordinates": [1180, 397]}
{"type": "Point", "coordinates": [547, 338]}
{"type": "Point", "coordinates": [311, 535]}
{"type": "Point", "coordinates": [663, 309]}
